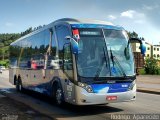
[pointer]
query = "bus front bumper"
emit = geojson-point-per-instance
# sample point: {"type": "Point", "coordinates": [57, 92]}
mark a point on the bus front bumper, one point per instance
{"type": "Point", "coordinates": [85, 98]}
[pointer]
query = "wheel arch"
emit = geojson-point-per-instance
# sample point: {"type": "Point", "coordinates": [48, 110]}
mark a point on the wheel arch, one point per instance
{"type": "Point", "coordinates": [56, 81]}
{"type": "Point", "coordinates": [15, 78]}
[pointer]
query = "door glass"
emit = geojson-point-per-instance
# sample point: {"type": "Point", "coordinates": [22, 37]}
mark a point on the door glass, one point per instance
{"type": "Point", "coordinates": [68, 64]}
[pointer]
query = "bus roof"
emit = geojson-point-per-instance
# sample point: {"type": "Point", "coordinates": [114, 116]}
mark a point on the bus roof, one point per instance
{"type": "Point", "coordinates": [88, 23]}
{"type": "Point", "coordinates": [82, 21]}
{"type": "Point", "coordinates": [77, 23]}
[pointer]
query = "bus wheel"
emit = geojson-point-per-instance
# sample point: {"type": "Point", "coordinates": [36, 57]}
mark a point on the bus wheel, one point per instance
{"type": "Point", "coordinates": [19, 85]}
{"type": "Point", "coordinates": [59, 95]}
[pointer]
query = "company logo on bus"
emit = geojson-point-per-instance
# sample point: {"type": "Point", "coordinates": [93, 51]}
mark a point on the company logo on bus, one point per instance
{"type": "Point", "coordinates": [111, 81]}
{"type": "Point", "coordinates": [125, 86]}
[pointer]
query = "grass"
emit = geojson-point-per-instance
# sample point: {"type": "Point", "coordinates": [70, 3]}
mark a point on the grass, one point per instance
{"type": "Point", "coordinates": [142, 72]}
{"type": "Point", "coordinates": [4, 62]}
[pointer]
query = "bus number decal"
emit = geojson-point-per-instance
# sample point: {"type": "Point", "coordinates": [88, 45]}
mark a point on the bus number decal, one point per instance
{"type": "Point", "coordinates": [69, 88]}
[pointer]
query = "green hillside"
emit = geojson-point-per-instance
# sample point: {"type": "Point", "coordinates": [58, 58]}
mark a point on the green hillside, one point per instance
{"type": "Point", "coordinates": [6, 39]}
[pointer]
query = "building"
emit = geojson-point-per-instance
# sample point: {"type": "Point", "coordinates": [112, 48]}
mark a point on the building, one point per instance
{"type": "Point", "coordinates": [138, 57]}
{"type": "Point", "coordinates": [152, 51]}
{"type": "Point", "coordinates": [156, 52]}
{"type": "Point", "coordinates": [149, 50]}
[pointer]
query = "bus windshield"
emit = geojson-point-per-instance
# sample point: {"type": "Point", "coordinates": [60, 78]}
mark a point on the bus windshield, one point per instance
{"type": "Point", "coordinates": [104, 53]}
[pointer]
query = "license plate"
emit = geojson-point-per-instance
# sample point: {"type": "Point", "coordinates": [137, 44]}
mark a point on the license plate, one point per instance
{"type": "Point", "coordinates": [110, 98]}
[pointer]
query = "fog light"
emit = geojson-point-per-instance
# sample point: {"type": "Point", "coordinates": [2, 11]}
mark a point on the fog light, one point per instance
{"type": "Point", "coordinates": [83, 100]}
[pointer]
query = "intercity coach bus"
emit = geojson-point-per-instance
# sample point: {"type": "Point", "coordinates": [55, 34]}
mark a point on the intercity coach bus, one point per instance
{"type": "Point", "coordinates": [82, 62]}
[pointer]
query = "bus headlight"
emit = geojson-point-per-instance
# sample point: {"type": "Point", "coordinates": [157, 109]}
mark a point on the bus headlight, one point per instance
{"type": "Point", "coordinates": [131, 86]}
{"type": "Point", "coordinates": [88, 88]}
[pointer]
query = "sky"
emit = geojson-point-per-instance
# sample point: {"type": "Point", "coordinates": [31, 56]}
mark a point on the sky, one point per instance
{"type": "Point", "coordinates": [141, 16]}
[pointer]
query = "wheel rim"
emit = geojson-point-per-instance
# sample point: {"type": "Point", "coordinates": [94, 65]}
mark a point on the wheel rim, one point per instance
{"type": "Point", "coordinates": [17, 85]}
{"type": "Point", "coordinates": [59, 96]}
{"type": "Point", "coordinates": [20, 87]}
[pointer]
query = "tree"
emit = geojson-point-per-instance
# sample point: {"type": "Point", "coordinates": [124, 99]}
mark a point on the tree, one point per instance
{"type": "Point", "coordinates": [132, 34]}
{"type": "Point", "coordinates": [1, 44]}
{"type": "Point", "coordinates": [2, 52]}
{"type": "Point", "coordinates": [151, 66]}
{"type": "Point", "coordinates": [7, 38]}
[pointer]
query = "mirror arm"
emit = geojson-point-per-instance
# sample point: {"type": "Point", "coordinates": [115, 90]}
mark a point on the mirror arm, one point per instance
{"type": "Point", "coordinates": [74, 44]}
{"type": "Point", "coordinates": [135, 40]}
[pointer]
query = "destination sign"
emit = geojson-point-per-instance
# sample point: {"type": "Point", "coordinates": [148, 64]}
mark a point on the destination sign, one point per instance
{"type": "Point", "coordinates": [90, 32]}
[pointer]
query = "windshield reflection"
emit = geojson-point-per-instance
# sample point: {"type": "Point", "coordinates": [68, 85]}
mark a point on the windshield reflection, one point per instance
{"type": "Point", "coordinates": [117, 43]}
{"type": "Point", "coordinates": [91, 59]}
{"type": "Point", "coordinates": [94, 58]}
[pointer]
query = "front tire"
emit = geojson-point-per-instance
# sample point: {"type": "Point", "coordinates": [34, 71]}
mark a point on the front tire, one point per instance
{"type": "Point", "coordinates": [59, 98]}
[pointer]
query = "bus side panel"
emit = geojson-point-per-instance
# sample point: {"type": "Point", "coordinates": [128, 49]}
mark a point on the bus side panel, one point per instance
{"type": "Point", "coordinates": [25, 77]}
{"type": "Point", "coordinates": [11, 75]}
{"type": "Point", "coordinates": [69, 90]}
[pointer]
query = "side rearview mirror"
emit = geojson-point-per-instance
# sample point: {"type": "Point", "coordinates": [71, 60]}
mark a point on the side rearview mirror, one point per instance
{"type": "Point", "coordinates": [143, 48]}
{"type": "Point", "coordinates": [74, 44]}
{"type": "Point", "coordinates": [142, 44]}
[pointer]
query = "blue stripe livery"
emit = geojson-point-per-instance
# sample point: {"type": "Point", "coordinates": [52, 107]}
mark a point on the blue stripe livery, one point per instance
{"type": "Point", "coordinates": [110, 88]}
{"type": "Point", "coordinates": [96, 26]}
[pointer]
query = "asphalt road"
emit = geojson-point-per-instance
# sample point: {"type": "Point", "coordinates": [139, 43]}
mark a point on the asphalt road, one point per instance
{"type": "Point", "coordinates": [145, 104]}
{"type": "Point", "coordinates": [4, 81]}
{"type": "Point", "coordinates": [150, 82]}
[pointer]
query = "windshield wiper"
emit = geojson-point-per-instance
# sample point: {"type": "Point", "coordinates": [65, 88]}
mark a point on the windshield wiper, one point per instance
{"type": "Point", "coordinates": [97, 73]}
{"type": "Point", "coordinates": [114, 59]}
{"type": "Point", "coordinates": [100, 69]}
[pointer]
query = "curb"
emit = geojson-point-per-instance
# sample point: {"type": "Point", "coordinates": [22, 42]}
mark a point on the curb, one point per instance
{"type": "Point", "coordinates": [148, 91]}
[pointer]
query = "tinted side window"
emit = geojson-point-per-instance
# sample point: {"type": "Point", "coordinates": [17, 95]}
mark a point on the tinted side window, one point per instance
{"type": "Point", "coordinates": [14, 53]}
{"type": "Point", "coordinates": [51, 54]}
{"type": "Point", "coordinates": [32, 52]}
{"type": "Point", "coordinates": [61, 33]}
